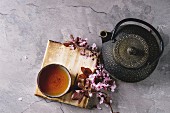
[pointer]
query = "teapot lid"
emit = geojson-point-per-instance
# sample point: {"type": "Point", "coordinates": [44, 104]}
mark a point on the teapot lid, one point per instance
{"type": "Point", "coordinates": [131, 50]}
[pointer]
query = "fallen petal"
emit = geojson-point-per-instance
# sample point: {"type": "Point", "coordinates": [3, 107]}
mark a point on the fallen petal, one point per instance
{"type": "Point", "coordinates": [98, 107]}
{"type": "Point", "coordinates": [82, 69]}
{"type": "Point", "coordinates": [82, 76]}
{"type": "Point", "coordinates": [77, 96]}
{"type": "Point", "coordinates": [87, 71]}
{"type": "Point", "coordinates": [67, 44]}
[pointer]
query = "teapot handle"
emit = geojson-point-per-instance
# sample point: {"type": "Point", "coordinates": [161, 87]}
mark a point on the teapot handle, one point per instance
{"type": "Point", "coordinates": [146, 24]}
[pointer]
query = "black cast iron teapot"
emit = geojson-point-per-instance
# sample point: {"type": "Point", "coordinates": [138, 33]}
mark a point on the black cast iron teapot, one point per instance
{"type": "Point", "coordinates": [131, 52]}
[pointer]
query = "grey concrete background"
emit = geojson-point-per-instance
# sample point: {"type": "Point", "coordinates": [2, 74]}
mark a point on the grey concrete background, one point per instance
{"type": "Point", "coordinates": [26, 25]}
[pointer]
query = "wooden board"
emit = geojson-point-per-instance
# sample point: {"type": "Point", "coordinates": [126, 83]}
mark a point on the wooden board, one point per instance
{"type": "Point", "coordinates": [73, 61]}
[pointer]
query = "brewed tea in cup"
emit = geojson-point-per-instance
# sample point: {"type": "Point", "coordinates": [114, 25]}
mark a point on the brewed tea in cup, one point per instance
{"type": "Point", "coordinates": [54, 80]}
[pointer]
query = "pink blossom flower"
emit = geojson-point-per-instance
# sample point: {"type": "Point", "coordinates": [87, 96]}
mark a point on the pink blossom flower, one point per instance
{"type": "Point", "coordinates": [94, 47]}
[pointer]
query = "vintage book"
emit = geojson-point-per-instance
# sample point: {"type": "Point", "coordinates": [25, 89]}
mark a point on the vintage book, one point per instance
{"type": "Point", "coordinates": [72, 59]}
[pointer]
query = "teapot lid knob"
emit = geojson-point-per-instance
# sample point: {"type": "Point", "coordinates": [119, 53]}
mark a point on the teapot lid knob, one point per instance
{"type": "Point", "coordinates": [132, 50]}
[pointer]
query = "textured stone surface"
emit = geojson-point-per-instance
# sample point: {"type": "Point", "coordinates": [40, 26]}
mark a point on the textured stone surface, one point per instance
{"type": "Point", "coordinates": [25, 27]}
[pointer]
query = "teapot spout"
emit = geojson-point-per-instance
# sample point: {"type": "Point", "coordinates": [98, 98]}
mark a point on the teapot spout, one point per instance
{"type": "Point", "coordinates": [106, 36]}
